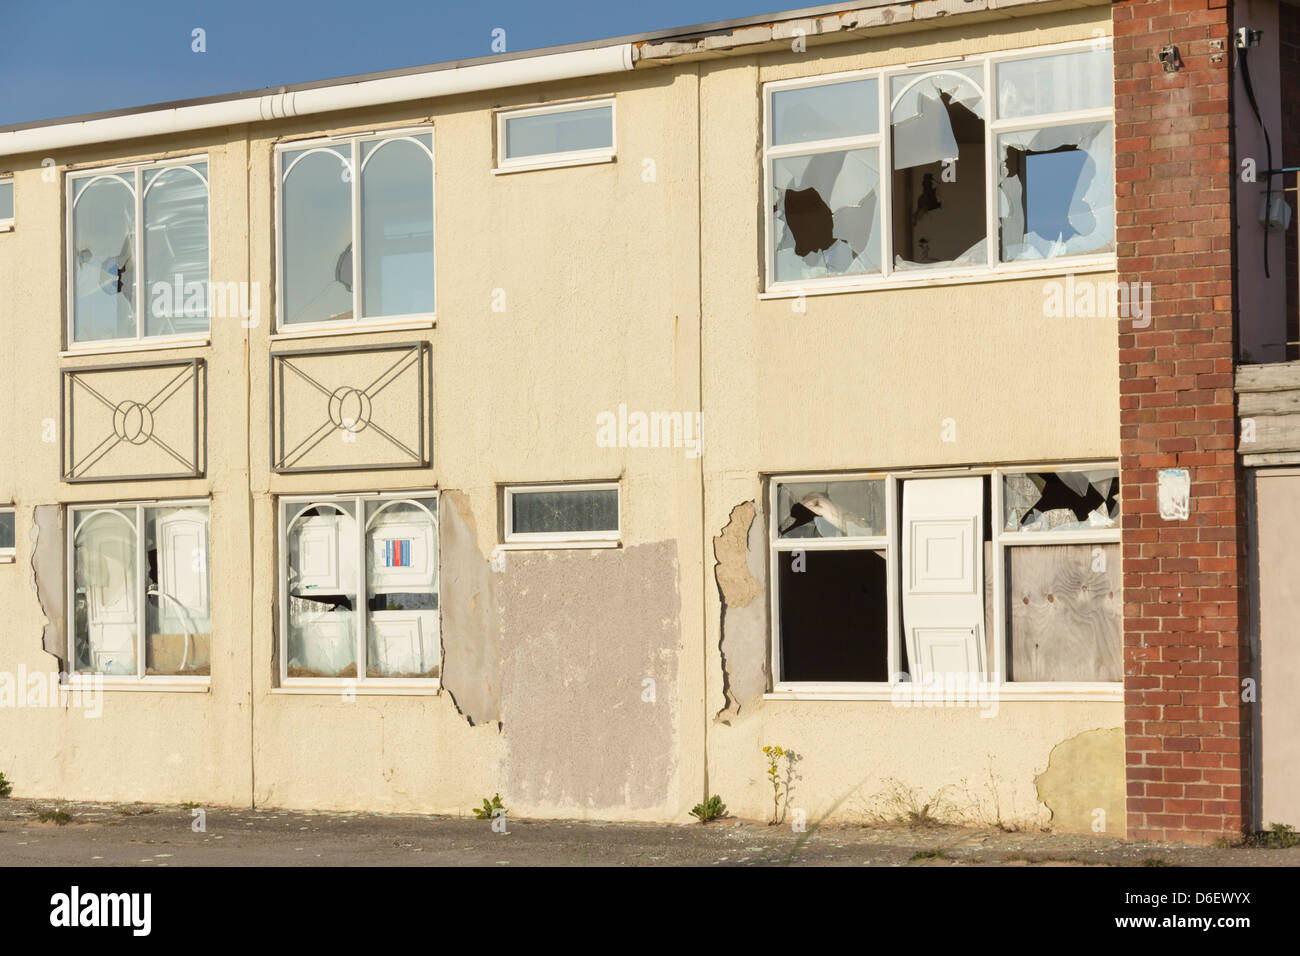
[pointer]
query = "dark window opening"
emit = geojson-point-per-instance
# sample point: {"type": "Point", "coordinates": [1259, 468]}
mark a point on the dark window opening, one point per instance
{"type": "Point", "coordinates": [834, 622]}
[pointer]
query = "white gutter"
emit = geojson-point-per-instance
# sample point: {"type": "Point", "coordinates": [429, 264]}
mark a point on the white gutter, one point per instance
{"type": "Point", "coordinates": [255, 109]}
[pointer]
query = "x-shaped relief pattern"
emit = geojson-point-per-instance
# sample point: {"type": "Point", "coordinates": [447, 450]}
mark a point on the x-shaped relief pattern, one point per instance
{"type": "Point", "coordinates": [349, 409]}
{"type": "Point", "coordinates": [133, 422]}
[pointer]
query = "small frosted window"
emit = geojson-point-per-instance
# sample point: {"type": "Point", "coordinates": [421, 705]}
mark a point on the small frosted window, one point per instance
{"type": "Point", "coordinates": [827, 111]}
{"type": "Point", "coordinates": [564, 131]}
{"type": "Point", "coordinates": [6, 200]}
{"type": "Point", "coordinates": [591, 512]}
{"type": "Point", "coordinates": [1061, 83]}
{"type": "Point", "coordinates": [397, 226]}
{"type": "Point", "coordinates": [6, 531]}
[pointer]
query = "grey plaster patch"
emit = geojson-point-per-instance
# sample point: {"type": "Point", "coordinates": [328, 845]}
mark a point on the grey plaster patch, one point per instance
{"type": "Point", "coordinates": [740, 568]}
{"type": "Point", "coordinates": [471, 655]}
{"type": "Point", "coordinates": [589, 676]}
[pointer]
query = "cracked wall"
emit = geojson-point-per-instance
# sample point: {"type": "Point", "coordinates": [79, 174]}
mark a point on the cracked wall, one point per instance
{"type": "Point", "coordinates": [471, 658]}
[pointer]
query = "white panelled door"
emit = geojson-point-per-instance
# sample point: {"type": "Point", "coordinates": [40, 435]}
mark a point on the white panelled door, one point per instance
{"type": "Point", "coordinates": [943, 575]}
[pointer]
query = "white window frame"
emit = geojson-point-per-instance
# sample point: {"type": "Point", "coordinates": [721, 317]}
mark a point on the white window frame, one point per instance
{"type": "Point", "coordinates": [7, 555]}
{"type": "Point", "coordinates": [995, 682]}
{"type": "Point", "coordinates": [576, 157]}
{"type": "Point", "coordinates": [361, 684]}
{"type": "Point", "coordinates": [522, 540]}
{"type": "Point", "coordinates": [356, 166]}
{"type": "Point", "coordinates": [889, 277]}
{"type": "Point", "coordinates": [141, 680]}
{"type": "Point", "coordinates": [7, 223]}
{"type": "Point", "coordinates": [140, 339]}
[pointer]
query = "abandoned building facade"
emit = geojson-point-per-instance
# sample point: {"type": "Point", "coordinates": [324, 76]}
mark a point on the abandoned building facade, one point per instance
{"type": "Point", "coordinates": [572, 424]}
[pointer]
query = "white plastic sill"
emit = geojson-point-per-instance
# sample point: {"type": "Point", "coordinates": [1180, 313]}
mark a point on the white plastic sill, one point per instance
{"type": "Point", "coordinates": [85, 683]}
{"type": "Point", "coordinates": [921, 280]}
{"type": "Point", "coordinates": [555, 545]}
{"type": "Point", "coordinates": [369, 689]}
{"type": "Point", "coordinates": [316, 332]}
{"type": "Point", "coordinates": [554, 164]}
{"type": "Point", "coordinates": [1001, 694]}
{"type": "Point", "coordinates": [145, 346]}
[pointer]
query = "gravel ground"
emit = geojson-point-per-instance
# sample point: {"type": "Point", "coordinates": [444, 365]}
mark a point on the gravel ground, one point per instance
{"type": "Point", "coordinates": [96, 834]}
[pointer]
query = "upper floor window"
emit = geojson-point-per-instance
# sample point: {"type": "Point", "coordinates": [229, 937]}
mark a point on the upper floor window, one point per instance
{"type": "Point", "coordinates": [138, 252]}
{"type": "Point", "coordinates": [568, 134]}
{"type": "Point", "coordinates": [994, 163]}
{"type": "Point", "coordinates": [356, 229]}
{"type": "Point", "coordinates": [6, 204]}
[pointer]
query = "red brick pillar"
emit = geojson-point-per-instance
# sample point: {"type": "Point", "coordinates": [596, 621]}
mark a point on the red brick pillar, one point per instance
{"type": "Point", "coordinates": [1187, 731]}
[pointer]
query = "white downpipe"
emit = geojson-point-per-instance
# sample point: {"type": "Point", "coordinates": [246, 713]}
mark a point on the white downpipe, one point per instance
{"type": "Point", "coordinates": [255, 109]}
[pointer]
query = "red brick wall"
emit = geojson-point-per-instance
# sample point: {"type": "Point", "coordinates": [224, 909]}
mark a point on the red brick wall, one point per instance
{"type": "Point", "coordinates": [1186, 728]}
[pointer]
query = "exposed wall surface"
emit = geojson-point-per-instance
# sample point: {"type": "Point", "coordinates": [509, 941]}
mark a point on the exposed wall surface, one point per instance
{"type": "Point", "coordinates": [1187, 730]}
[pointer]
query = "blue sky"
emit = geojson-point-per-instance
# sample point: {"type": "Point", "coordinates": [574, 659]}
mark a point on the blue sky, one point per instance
{"type": "Point", "coordinates": [65, 57]}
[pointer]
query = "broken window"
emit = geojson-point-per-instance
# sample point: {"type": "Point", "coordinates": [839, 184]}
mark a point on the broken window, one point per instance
{"type": "Point", "coordinates": [562, 513]}
{"type": "Point", "coordinates": [824, 177]}
{"type": "Point", "coordinates": [938, 130]}
{"type": "Point", "coordinates": [831, 509]}
{"type": "Point", "coordinates": [830, 555]}
{"type": "Point", "coordinates": [112, 299]}
{"type": "Point", "coordinates": [1061, 554]}
{"type": "Point", "coordinates": [350, 597]}
{"type": "Point", "coordinates": [323, 279]}
{"type": "Point", "coordinates": [566, 134]}
{"type": "Point", "coordinates": [141, 599]}
{"type": "Point", "coordinates": [1037, 147]}
{"type": "Point", "coordinates": [6, 534]}
{"type": "Point", "coordinates": [1056, 165]}
{"type": "Point", "coordinates": [1061, 500]}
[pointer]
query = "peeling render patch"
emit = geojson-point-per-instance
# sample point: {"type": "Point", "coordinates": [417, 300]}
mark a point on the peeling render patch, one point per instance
{"type": "Point", "coordinates": [471, 656]}
{"type": "Point", "coordinates": [589, 677]}
{"type": "Point", "coordinates": [740, 555]}
{"type": "Point", "coordinates": [1083, 784]}
{"type": "Point", "coordinates": [47, 576]}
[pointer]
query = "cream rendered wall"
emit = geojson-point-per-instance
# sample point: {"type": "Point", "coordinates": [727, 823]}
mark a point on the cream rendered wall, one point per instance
{"type": "Point", "coordinates": [863, 381]}
{"type": "Point", "coordinates": [157, 746]}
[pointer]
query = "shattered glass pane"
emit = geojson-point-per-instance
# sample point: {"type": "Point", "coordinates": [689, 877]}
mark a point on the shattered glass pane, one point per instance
{"type": "Point", "coordinates": [1061, 500]}
{"type": "Point", "coordinates": [176, 249]}
{"type": "Point", "coordinates": [1055, 84]}
{"type": "Point", "coordinates": [826, 111]}
{"type": "Point", "coordinates": [566, 131]}
{"type": "Point", "coordinates": [1056, 191]}
{"type": "Point", "coordinates": [397, 226]}
{"type": "Point", "coordinates": [317, 278]}
{"type": "Point", "coordinates": [831, 509]}
{"type": "Point", "coordinates": [826, 216]}
{"type": "Point", "coordinates": [103, 254]}
{"type": "Point", "coordinates": [938, 157]}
